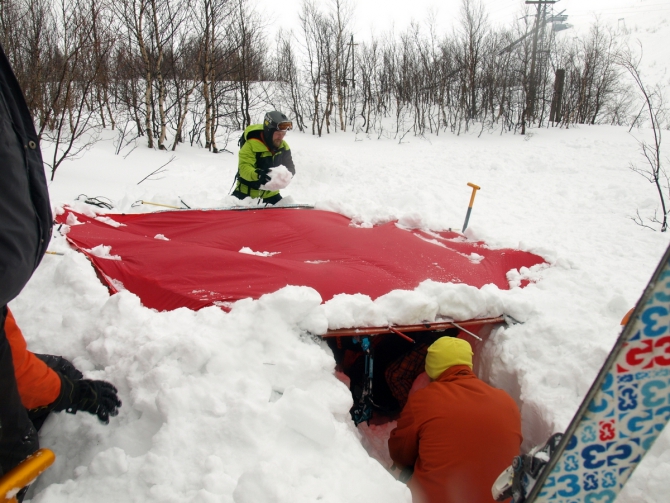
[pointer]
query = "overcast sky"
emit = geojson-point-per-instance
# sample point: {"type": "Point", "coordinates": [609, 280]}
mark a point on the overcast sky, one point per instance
{"type": "Point", "coordinates": [378, 16]}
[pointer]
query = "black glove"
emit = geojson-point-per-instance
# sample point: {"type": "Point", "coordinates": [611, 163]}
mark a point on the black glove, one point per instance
{"type": "Point", "coordinates": [263, 176]}
{"type": "Point", "coordinates": [96, 397]}
{"type": "Point", "coordinates": [61, 365]}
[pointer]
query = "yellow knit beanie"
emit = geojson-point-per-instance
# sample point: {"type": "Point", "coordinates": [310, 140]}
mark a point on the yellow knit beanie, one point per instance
{"type": "Point", "coordinates": [445, 353]}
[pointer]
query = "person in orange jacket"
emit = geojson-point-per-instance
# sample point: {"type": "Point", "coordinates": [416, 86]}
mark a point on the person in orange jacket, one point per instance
{"type": "Point", "coordinates": [31, 386]}
{"type": "Point", "coordinates": [458, 432]}
{"type": "Point", "coordinates": [49, 383]}
{"type": "Point", "coordinates": [25, 230]}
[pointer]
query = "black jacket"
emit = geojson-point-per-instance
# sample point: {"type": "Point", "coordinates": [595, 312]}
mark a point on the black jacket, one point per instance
{"type": "Point", "coordinates": [25, 211]}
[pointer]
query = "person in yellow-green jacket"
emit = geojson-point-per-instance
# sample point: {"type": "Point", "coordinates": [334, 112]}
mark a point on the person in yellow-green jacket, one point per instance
{"type": "Point", "coordinates": [265, 165]}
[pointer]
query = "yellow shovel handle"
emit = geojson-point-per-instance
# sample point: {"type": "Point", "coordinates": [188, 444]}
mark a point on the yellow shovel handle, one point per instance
{"type": "Point", "coordinates": [24, 474]}
{"type": "Point", "coordinates": [475, 188]}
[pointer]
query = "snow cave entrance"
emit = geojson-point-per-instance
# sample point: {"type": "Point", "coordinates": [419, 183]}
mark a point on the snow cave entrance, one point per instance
{"type": "Point", "coordinates": [397, 358]}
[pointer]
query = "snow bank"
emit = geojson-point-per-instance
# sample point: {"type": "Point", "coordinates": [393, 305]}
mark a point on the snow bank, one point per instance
{"type": "Point", "coordinates": [240, 406]}
{"type": "Point", "coordinates": [244, 406]}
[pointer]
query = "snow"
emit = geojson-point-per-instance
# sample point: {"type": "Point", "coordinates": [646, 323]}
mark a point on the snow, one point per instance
{"type": "Point", "coordinates": [110, 221]}
{"type": "Point", "coordinates": [249, 251]}
{"type": "Point", "coordinates": [244, 406]}
{"type": "Point", "coordinates": [280, 177]}
{"type": "Point", "coordinates": [103, 251]}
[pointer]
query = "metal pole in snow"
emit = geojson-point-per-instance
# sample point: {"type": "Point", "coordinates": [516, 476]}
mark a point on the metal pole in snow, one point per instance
{"type": "Point", "coordinates": [159, 204]}
{"type": "Point", "coordinates": [475, 188]}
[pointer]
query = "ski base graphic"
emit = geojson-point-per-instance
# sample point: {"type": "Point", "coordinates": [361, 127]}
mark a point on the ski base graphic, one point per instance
{"type": "Point", "coordinates": [623, 413]}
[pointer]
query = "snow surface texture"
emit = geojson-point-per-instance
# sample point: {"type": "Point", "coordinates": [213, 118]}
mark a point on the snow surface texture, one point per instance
{"type": "Point", "coordinates": [244, 407]}
{"type": "Point", "coordinates": [280, 177]}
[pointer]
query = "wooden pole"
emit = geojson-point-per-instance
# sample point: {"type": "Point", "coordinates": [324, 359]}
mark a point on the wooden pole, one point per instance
{"type": "Point", "coordinates": [557, 99]}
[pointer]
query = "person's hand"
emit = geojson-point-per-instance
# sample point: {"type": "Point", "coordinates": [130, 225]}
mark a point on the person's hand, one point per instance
{"type": "Point", "coordinates": [263, 176]}
{"type": "Point", "coordinates": [96, 397]}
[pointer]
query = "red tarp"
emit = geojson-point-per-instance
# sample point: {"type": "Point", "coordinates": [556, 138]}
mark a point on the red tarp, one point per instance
{"type": "Point", "coordinates": [200, 264]}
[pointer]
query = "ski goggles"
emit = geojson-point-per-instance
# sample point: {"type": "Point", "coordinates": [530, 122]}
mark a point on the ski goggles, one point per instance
{"type": "Point", "coordinates": [285, 126]}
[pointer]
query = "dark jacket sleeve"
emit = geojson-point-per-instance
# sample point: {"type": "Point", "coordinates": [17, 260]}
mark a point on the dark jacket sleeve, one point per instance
{"type": "Point", "coordinates": [25, 212]}
{"type": "Point", "coordinates": [288, 160]}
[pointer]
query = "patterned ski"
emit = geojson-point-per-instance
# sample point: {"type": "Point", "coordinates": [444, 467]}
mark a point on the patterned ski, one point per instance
{"type": "Point", "coordinates": [624, 411]}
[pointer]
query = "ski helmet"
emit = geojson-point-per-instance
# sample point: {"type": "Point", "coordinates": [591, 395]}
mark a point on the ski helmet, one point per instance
{"type": "Point", "coordinates": [275, 121]}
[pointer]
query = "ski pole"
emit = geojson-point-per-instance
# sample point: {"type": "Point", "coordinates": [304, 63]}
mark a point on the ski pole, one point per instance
{"type": "Point", "coordinates": [25, 474]}
{"type": "Point", "coordinates": [475, 188]}
{"type": "Point", "coordinates": [398, 332]}
{"type": "Point", "coordinates": [467, 332]}
{"type": "Point", "coordinates": [159, 204]}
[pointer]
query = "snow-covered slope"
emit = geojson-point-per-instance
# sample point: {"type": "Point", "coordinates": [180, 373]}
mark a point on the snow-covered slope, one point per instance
{"type": "Point", "coordinates": [243, 407]}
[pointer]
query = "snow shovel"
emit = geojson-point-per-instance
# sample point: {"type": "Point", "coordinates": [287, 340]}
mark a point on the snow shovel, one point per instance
{"type": "Point", "coordinates": [475, 188]}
